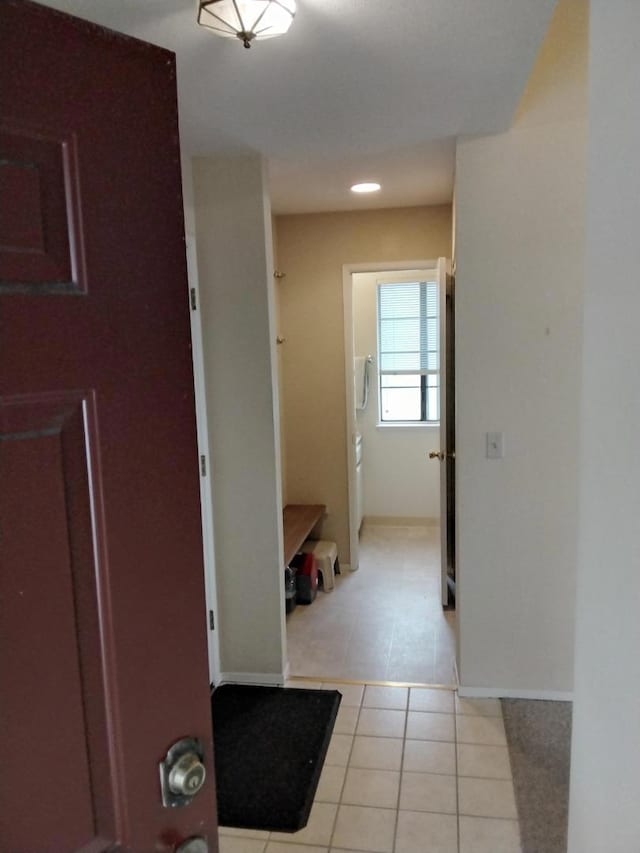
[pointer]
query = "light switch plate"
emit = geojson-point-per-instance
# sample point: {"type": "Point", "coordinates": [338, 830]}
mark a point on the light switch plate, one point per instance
{"type": "Point", "coordinates": [495, 445]}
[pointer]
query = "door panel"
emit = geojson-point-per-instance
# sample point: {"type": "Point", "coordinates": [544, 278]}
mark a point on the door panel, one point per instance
{"type": "Point", "coordinates": [41, 249]}
{"type": "Point", "coordinates": [103, 643]}
{"type": "Point", "coordinates": [450, 436]}
{"type": "Point", "coordinates": [46, 525]}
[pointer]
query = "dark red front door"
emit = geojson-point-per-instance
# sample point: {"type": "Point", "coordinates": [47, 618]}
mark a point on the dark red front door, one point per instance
{"type": "Point", "coordinates": [102, 646]}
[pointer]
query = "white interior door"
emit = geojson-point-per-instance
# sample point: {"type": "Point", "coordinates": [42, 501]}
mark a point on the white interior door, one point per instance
{"type": "Point", "coordinates": [206, 502]}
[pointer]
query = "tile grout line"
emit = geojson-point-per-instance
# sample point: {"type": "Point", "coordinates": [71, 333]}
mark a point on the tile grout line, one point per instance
{"type": "Point", "coordinates": [404, 741]}
{"type": "Point", "coordinates": [455, 743]}
{"type": "Point", "coordinates": [346, 770]}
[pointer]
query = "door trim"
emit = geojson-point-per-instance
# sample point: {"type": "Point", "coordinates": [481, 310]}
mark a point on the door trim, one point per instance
{"type": "Point", "coordinates": [206, 499]}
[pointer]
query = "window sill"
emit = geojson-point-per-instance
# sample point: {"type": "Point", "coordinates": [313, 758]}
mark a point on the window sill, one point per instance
{"type": "Point", "coordinates": [406, 425]}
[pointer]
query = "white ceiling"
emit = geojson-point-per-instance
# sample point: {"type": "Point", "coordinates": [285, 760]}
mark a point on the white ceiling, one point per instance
{"type": "Point", "coordinates": [357, 90]}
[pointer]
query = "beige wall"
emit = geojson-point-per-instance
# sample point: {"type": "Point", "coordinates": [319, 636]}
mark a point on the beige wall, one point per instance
{"type": "Point", "coordinates": [520, 211]}
{"type": "Point", "coordinates": [312, 250]}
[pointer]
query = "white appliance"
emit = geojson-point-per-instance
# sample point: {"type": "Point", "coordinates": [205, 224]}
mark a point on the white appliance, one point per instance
{"type": "Point", "coordinates": [358, 454]}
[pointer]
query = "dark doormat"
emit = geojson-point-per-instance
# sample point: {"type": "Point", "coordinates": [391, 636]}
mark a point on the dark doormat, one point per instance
{"type": "Point", "coordinates": [270, 744]}
{"type": "Point", "coordinates": [539, 739]}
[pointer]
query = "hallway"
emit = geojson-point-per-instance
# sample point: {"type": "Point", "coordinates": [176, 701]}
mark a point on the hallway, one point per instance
{"type": "Point", "coordinates": [383, 622]}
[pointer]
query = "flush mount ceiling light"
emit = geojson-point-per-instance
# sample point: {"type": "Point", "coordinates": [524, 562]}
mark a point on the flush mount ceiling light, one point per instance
{"type": "Point", "coordinates": [246, 19]}
{"type": "Point", "coordinates": [367, 187]}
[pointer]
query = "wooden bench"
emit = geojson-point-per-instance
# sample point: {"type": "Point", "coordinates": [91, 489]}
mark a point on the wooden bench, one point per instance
{"type": "Point", "coordinates": [298, 522]}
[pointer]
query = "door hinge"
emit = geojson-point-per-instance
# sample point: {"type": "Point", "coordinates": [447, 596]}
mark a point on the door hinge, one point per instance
{"type": "Point", "coordinates": [203, 466]}
{"type": "Point", "coordinates": [192, 299]}
{"type": "Point", "coordinates": [212, 621]}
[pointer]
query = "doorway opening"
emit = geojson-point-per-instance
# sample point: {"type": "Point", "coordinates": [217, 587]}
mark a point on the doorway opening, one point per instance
{"type": "Point", "coordinates": [386, 618]}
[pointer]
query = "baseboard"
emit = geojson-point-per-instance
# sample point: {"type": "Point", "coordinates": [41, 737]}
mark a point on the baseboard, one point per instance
{"type": "Point", "coordinates": [260, 678]}
{"type": "Point", "coordinates": [400, 521]}
{"type": "Point", "coordinates": [513, 693]}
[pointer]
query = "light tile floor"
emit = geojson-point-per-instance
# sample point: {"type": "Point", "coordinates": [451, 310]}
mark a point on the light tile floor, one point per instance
{"type": "Point", "coordinates": [409, 770]}
{"type": "Point", "coordinates": [382, 623]}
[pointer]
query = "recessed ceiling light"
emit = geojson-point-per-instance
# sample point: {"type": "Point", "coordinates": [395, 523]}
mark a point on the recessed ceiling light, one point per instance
{"type": "Point", "coordinates": [368, 187]}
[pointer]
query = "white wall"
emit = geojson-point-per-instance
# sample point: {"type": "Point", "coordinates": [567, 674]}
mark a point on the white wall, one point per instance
{"type": "Point", "coordinates": [520, 245]}
{"type": "Point", "coordinates": [398, 478]}
{"type": "Point", "coordinates": [605, 760]}
{"type": "Point", "coordinates": [233, 230]}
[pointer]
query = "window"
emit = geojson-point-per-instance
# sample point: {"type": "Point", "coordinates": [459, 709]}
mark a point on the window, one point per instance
{"type": "Point", "coordinates": [408, 352]}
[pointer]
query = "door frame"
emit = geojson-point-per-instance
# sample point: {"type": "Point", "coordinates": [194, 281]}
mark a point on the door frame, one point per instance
{"type": "Point", "coordinates": [206, 497]}
{"type": "Point", "coordinates": [348, 271]}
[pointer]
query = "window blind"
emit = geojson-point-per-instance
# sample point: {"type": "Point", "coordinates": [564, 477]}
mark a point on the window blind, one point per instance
{"type": "Point", "coordinates": [408, 328]}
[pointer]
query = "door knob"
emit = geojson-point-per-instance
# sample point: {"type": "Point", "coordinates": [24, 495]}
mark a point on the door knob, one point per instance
{"type": "Point", "coordinates": [182, 773]}
{"type": "Point", "coordinates": [196, 844]}
{"type": "Point", "coordinates": [187, 775]}
{"type": "Point", "coordinates": [436, 454]}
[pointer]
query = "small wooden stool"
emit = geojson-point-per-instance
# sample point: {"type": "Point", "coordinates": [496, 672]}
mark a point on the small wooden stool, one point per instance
{"type": "Point", "coordinates": [326, 554]}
